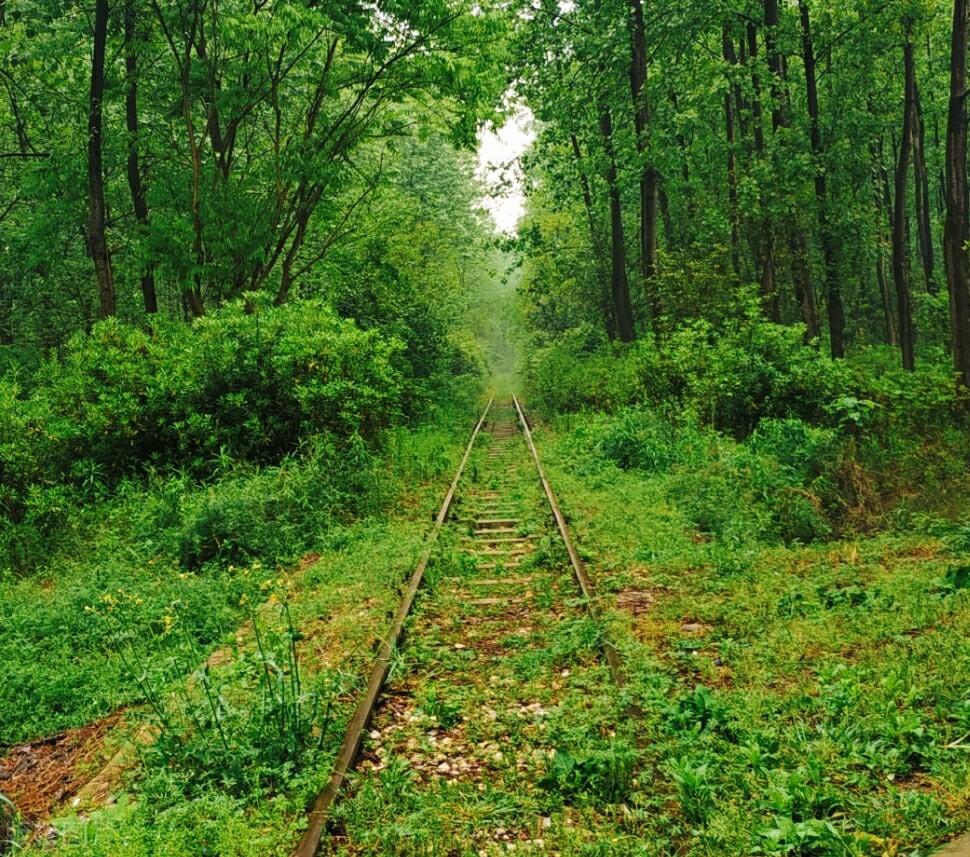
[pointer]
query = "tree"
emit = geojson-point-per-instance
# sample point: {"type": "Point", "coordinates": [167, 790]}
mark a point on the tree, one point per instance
{"type": "Point", "coordinates": [620, 286]}
{"type": "Point", "coordinates": [134, 171]}
{"type": "Point", "coordinates": [904, 306]}
{"type": "Point", "coordinates": [804, 291]}
{"type": "Point", "coordinates": [97, 239]}
{"type": "Point", "coordinates": [641, 122]}
{"type": "Point", "coordinates": [957, 231]}
{"type": "Point", "coordinates": [833, 293]}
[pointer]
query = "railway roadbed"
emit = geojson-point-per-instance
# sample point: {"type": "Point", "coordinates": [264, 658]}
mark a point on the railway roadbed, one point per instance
{"type": "Point", "coordinates": [500, 727]}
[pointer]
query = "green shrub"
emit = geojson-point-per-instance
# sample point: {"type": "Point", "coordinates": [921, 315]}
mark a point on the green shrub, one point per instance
{"type": "Point", "coordinates": [274, 513]}
{"type": "Point", "coordinates": [646, 439]}
{"type": "Point", "coordinates": [732, 375]}
{"type": "Point", "coordinates": [249, 383]}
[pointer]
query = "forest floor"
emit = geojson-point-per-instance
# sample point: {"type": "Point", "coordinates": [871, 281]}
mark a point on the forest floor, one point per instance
{"type": "Point", "coordinates": [792, 700]}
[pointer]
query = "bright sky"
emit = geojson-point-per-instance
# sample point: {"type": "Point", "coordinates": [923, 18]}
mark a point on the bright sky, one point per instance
{"type": "Point", "coordinates": [498, 165]}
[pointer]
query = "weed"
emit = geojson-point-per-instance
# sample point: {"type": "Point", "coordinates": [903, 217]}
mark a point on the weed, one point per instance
{"type": "Point", "coordinates": [447, 712]}
{"type": "Point", "coordinates": [210, 733]}
{"type": "Point", "coordinates": [602, 774]}
{"type": "Point", "coordinates": [694, 788]}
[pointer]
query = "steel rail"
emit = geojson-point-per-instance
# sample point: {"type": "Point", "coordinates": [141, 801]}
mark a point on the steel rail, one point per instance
{"type": "Point", "coordinates": [309, 845]}
{"type": "Point", "coordinates": [579, 569]}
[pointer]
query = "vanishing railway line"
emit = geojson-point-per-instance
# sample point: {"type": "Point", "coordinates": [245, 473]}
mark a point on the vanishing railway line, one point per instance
{"type": "Point", "coordinates": [472, 710]}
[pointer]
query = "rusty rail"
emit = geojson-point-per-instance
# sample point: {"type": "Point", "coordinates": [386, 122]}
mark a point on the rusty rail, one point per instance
{"type": "Point", "coordinates": [579, 570]}
{"type": "Point", "coordinates": [309, 844]}
{"type": "Point", "coordinates": [318, 815]}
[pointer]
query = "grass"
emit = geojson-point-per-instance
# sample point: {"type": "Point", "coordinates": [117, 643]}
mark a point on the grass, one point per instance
{"type": "Point", "coordinates": [797, 699]}
{"type": "Point", "coordinates": [121, 620]}
{"type": "Point", "coordinates": [803, 697]}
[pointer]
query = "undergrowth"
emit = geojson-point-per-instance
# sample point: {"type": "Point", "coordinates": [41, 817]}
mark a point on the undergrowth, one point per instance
{"type": "Point", "coordinates": [793, 623]}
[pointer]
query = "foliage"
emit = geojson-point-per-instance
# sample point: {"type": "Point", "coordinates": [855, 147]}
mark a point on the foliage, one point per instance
{"type": "Point", "coordinates": [792, 696]}
{"type": "Point", "coordinates": [603, 774]}
{"type": "Point", "coordinates": [243, 731]}
{"type": "Point", "coordinates": [263, 137]}
{"type": "Point", "coordinates": [201, 552]}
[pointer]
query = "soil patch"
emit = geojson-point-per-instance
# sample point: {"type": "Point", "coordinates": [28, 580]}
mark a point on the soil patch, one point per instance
{"type": "Point", "coordinates": [40, 775]}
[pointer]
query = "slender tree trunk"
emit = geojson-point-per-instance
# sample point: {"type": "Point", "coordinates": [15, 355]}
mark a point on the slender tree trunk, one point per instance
{"type": "Point", "coordinates": [135, 184]}
{"type": "Point", "coordinates": [730, 57]}
{"type": "Point", "coordinates": [801, 269]}
{"type": "Point", "coordinates": [620, 287]}
{"type": "Point", "coordinates": [97, 240]}
{"type": "Point", "coordinates": [663, 201]}
{"type": "Point", "coordinates": [602, 275]}
{"type": "Point", "coordinates": [689, 205]}
{"type": "Point", "coordinates": [641, 121]}
{"type": "Point", "coordinates": [776, 65]}
{"type": "Point", "coordinates": [833, 293]}
{"type": "Point", "coordinates": [766, 237]}
{"type": "Point", "coordinates": [882, 199]}
{"type": "Point", "coordinates": [922, 187]}
{"type": "Point", "coordinates": [904, 307]}
{"type": "Point", "coordinates": [884, 295]}
{"type": "Point", "coordinates": [957, 230]}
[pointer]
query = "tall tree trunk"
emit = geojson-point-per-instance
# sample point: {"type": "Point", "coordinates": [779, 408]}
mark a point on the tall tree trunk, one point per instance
{"type": "Point", "coordinates": [602, 275]}
{"type": "Point", "coordinates": [641, 121]}
{"type": "Point", "coordinates": [882, 199]}
{"type": "Point", "coordinates": [727, 46]}
{"type": "Point", "coordinates": [668, 221]}
{"type": "Point", "coordinates": [690, 207]}
{"type": "Point", "coordinates": [97, 240]}
{"type": "Point", "coordinates": [776, 65]}
{"type": "Point", "coordinates": [135, 184]}
{"type": "Point", "coordinates": [801, 269]}
{"type": "Point", "coordinates": [904, 304]}
{"type": "Point", "coordinates": [620, 287]}
{"type": "Point", "coordinates": [957, 229]}
{"type": "Point", "coordinates": [833, 293]}
{"type": "Point", "coordinates": [884, 296]}
{"type": "Point", "coordinates": [766, 237]}
{"type": "Point", "coordinates": [921, 181]}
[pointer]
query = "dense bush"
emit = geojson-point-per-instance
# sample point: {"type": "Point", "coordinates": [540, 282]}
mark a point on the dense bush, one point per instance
{"type": "Point", "coordinates": [731, 376]}
{"type": "Point", "coordinates": [830, 442]}
{"type": "Point", "coordinates": [284, 407]}
{"type": "Point", "coordinates": [778, 485]}
{"type": "Point", "coordinates": [248, 384]}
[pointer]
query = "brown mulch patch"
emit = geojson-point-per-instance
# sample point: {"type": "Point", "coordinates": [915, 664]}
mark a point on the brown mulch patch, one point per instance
{"type": "Point", "coordinates": [40, 775]}
{"type": "Point", "coordinates": [635, 601]}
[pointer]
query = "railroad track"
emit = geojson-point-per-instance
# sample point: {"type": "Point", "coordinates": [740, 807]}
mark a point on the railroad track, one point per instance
{"type": "Point", "coordinates": [470, 711]}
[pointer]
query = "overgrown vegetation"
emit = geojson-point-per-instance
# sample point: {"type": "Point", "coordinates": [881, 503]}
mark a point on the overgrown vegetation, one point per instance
{"type": "Point", "coordinates": [248, 300]}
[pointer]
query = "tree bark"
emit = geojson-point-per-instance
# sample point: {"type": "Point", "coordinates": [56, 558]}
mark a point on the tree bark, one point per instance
{"type": "Point", "coordinates": [801, 269]}
{"type": "Point", "coordinates": [904, 304]}
{"type": "Point", "coordinates": [776, 65]}
{"type": "Point", "coordinates": [766, 237]}
{"type": "Point", "coordinates": [833, 293]}
{"type": "Point", "coordinates": [620, 287]}
{"type": "Point", "coordinates": [727, 47]}
{"type": "Point", "coordinates": [957, 229]}
{"type": "Point", "coordinates": [641, 121]}
{"type": "Point", "coordinates": [135, 184]}
{"type": "Point", "coordinates": [602, 276]}
{"type": "Point", "coordinates": [97, 239]}
{"type": "Point", "coordinates": [882, 199]}
{"type": "Point", "coordinates": [921, 181]}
